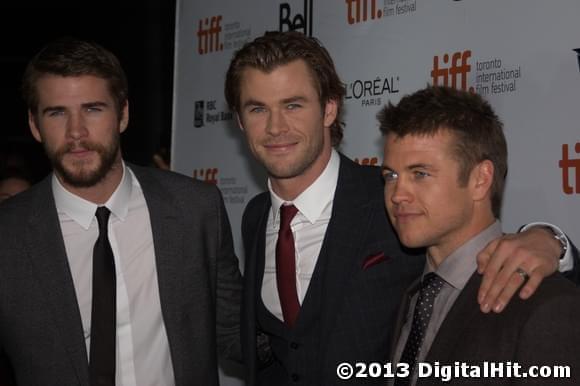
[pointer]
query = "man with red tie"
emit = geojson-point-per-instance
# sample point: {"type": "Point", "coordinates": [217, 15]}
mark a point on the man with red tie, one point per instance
{"type": "Point", "coordinates": [324, 272]}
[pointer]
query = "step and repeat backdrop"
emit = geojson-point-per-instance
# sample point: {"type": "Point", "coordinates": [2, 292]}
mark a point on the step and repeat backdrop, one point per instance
{"type": "Point", "coordinates": [522, 55]}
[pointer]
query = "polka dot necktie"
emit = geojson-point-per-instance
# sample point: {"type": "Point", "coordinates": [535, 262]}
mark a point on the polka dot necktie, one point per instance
{"type": "Point", "coordinates": [430, 287]}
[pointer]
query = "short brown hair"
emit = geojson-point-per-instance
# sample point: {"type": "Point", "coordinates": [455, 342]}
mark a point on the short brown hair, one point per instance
{"type": "Point", "coordinates": [274, 49]}
{"type": "Point", "coordinates": [73, 57]}
{"type": "Point", "coordinates": [477, 130]}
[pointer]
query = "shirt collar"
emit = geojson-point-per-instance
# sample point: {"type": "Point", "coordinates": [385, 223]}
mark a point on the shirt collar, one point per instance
{"type": "Point", "coordinates": [83, 211]}
{"type": "Point", "coordinates": [458, 267]}
{"type": "Point", "coordinates": [312, 201]}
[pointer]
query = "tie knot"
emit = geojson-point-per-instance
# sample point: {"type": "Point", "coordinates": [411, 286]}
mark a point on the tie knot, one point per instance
{"type": "Point", "coordinates": [287, 213]}
{"type": "Point", "coordinates": [102, 217]}
{"type": "Point", "coordinates": [432, 281]}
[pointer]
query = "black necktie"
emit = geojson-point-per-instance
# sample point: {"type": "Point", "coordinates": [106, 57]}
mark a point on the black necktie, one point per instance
{"type": "Point", "coordinates": [430, 287]}
{"type": "Point", "coordinates": [286, 266]}
{"type": "Point", "coordinates": [103, 314]}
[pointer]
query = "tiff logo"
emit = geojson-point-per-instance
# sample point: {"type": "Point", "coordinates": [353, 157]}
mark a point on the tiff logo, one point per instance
{"type": "Point", "coordinates": [459, 67]}
{"type": "Point", "coordinates": [208, 35]}
{"type": "Point", "coordinates": [360, 10]}
{"type": "Point", "coordinates": [367, 161]}
{"type": "Point", "coordinates": [208, 175]}
{"type": "Point", "coordinates": [567, 165]}
{"type": "Point", "coordinates": [300, 22]}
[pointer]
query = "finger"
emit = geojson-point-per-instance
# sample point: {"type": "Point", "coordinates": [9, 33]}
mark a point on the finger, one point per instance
{"type": "Point", "coordinates": [493, 278]}
{"type": "Point", "coordinates": [496, 298]}
{"type": "Point", "coordinates": [489, 271]}
{"type": "Point", "coordinates": [500, 282]}
{"type": "Point", "coordinates": [515, 281]}
{"type": "Point", "coordinates": [532, 284]}
{"type": "Point", "coordinates": [484, 256]}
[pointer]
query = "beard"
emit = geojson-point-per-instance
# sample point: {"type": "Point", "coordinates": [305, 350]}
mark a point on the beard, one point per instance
{"type": "Point", "coordinates": [80, 173]}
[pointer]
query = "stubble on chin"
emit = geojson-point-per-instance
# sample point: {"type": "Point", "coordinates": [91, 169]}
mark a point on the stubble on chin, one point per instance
{"type": "Point", "coordinates": [81, 173]}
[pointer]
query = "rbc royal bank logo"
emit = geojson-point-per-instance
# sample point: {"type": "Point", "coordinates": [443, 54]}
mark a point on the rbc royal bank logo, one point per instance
{"type": "Point", "coordinates": [448, 70]}
{"type": "Point", "coordinates": [570, 166]}
{"type": "Point", "coordinates": [199, 111]}
{"type": "Point", "coordinates": [209, 35]}
{"type": "Point", "coordinates": [295, 18]}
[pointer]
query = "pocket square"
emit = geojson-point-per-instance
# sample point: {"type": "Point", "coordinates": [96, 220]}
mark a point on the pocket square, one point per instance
{"type": "Point", "coordinates": [374, 259]}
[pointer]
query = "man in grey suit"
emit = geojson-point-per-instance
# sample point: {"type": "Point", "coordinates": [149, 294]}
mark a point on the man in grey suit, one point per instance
{"type": "Point", "coordinates": [323, 287]}
{"type": "Point", "coordinates": [444, 168]}
{"type": "Point", "coordinates": [166, 302]}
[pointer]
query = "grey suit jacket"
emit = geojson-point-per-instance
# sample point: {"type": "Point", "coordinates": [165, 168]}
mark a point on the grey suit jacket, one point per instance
{"type": "Point", "coordinates": [198, 277]}
{"type": "Point", "coordinates": [540, 331]}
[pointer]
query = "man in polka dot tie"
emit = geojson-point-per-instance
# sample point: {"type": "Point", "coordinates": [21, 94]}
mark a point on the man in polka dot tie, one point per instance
{"type": "Point", "coordinates": [444, 168]}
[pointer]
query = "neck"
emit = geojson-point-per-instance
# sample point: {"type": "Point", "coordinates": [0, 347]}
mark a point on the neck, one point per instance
{"type": "Point", "coordinates": [290, 188]}
{"type": "Point", "coordinates": [102, 190]}
{"type": "Point", "coordinates": [439, 252]}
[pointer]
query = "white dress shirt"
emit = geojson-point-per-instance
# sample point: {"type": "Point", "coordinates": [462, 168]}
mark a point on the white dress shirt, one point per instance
{"type": "Point", "coordinates": [308, 227]}
{"type": "Point", "coordinates": [143, 356]}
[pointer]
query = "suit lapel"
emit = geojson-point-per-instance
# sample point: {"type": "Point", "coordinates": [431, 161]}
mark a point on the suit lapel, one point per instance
{"type": "Point", "coordinates": [340, 255]}
{"type": "Point", "coordinates": [259, 252]}
{"type": "Point", "coordinates": [402, 314]}
{"type": "Point", "coordinates": [167, 229]}
{"type": "Point", "coordinates": [254, 235]}
{"type": "Point", "coordinates": [459, 318]}
{"type": "Point", "coordinates": [48, 258]}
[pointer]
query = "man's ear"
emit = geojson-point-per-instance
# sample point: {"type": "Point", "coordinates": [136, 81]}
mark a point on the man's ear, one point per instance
{"type": "Point", "coordinates": [240, 124]}
{"type": "Point", "coordinates": [124, 117]}
{"type": "Point", "coordinates": [32, 124]}
{"type": "Point", "coordinates": [330, 112]}
{"type": "Point", "coordinates": [481, 179]}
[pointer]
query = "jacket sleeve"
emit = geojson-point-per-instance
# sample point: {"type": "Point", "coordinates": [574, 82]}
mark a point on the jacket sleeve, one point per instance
{"type": "Point", "coordinates": [229, 290]}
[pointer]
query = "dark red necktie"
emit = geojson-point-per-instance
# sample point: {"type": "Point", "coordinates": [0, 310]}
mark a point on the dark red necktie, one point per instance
{"type": "Point", "coordinates": [286, 266]}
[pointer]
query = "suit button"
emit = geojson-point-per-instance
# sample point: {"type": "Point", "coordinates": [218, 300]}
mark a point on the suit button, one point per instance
{"type": "Point", "coordinates": [294, 345]}
{"type": "Point", "coordinates": [295, 377]}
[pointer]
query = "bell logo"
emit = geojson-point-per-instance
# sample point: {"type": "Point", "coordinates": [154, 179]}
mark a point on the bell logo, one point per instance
{"type": "Point", "coordinates": [299, 22]}
{"type": "Point", "coordinates": [459, 67]}
{"type": "Point", "coordinates": [570, 165]}
{"type": "Point", "coordinates": [362, 10]}
{"type": "Point", "coordinates": [208, 175]}
{"type": "Point", "coordinates": [208, 35]}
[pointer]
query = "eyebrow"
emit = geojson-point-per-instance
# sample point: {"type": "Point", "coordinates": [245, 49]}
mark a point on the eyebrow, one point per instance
{"type": "Point", "coordinates": [294, 99]}
{"type": "Point", "coordinates": [253, 102]}
{"type": "Point", "coordinates": [84, 105]}
{"type": "Point", "coordinates": [410, 167]}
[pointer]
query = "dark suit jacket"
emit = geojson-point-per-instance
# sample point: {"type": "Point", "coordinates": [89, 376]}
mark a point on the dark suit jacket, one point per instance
{"type": "Point", "coordinates": [199, 284]}
{"type": "Point", "coordinates": [359, 290]}
{"type": "Point", "coordinates": [543, 330]}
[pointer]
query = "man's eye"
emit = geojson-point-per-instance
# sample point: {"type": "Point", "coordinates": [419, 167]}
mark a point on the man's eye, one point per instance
{"type": "Point", "coordinates": [293, 106]}
{"type": "Point", "coordinates": [94, 109]}
{"type": "Point", "coordinates": [420, 174]}
{"type": "Point", "coordinates": [257, 109]}
{"type": "Point", "coordinates": [55, 113]}
{"type": "Point", "coordinates": [390, 176]}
